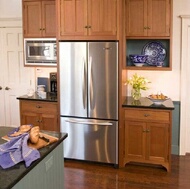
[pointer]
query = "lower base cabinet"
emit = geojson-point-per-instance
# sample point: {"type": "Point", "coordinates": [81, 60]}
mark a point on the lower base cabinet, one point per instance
{"type": "Point", "coordinates": [148, 136]}
{"type": "Point", "coordinates": [43, 114]}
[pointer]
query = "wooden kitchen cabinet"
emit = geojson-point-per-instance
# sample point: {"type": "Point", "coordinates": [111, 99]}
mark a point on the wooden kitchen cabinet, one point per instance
{"type": "Point", "coordinates": [148, 136]}
{"type": "Point", "coordinates": [148, 18]}
{"type": "Point", "coordinates": [43, 114]}
{"type": "Point", "coordinates": [87, 19]}
{"type": "Point", "coordinates": [39, 18]}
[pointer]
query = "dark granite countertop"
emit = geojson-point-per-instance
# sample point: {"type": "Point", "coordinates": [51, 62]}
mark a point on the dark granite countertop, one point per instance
{"type": "Point", "coordinates": [146, 103]}
{"type": "Point", "coordinates": [9, 177]}
{"type": "Point", "coordinates": [49, 98]}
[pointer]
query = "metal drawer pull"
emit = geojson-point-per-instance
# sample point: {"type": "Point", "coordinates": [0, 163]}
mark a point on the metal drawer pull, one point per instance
{"type": "Point", "coordinates": [146, 115]}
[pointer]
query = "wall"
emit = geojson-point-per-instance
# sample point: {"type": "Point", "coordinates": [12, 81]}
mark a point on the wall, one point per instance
{"type": "Point", "coordinates": [10, 9]}
{"type": "Point", "coordinates": [168, 82]}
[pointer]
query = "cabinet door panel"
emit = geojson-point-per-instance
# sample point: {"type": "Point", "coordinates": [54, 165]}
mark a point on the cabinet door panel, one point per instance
{"type": "Point", "coordinates": [136, 17]}
{"type": "Point", "coordinates": [135, 140]}
{"type": "Point", "coordinates": [48, 122]}
{"type": "Point", "coordinates": [32, 19]}
{"type": "Point", "coordinates": [102, 16]}
{"type": "Point", "coordinates": [157, 141]}
{"type": "Point", "coordinates": [29, 118]}
{"type": "Point", "coordinates": [48, 18]}
{"type": "Point", "coordinates": [159, 17]}
{"type": "Point", "coordinates": [73, 17]}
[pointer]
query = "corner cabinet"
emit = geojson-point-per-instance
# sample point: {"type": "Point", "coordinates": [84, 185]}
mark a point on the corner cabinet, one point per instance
{"type": "Point", "coordinates": [42, 114]}
{"type": "Point", "coordinates": [148, 18]}
{"type": "Point", "coordinates": [148, 136]}
{"type": "Point", "coordinates": [39, 18]}
{"type": "Point", "coordinates": [87, 19]}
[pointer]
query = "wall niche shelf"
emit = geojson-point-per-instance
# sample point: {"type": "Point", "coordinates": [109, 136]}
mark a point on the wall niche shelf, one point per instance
{"type": "Point", "coordinates": [135, 46]}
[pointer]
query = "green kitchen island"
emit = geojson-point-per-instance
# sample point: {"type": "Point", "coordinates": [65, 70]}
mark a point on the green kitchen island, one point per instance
{"type": "Point", "coordinates": [46, 172]}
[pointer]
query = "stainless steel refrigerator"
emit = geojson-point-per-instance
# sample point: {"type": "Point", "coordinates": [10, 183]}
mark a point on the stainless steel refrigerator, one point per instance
{"type": "Point", "coordinates": [89, 100]}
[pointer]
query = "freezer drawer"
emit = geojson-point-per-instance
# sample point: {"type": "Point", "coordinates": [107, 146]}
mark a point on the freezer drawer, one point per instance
{"type": "Point", "coordinates": [91, 140]}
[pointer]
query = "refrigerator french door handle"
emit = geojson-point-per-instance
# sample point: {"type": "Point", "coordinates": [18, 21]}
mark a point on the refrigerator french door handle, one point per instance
{"type": "Point", "coordinates": [89, 123]}
{"type": "Point", "coordinates": [91, 94]}
{"type": "Point", "coordinates": [84, 85]}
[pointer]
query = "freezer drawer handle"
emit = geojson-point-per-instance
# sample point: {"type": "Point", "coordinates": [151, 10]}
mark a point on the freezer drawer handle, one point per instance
{"type": "Point", "coordinates": [89, 123]}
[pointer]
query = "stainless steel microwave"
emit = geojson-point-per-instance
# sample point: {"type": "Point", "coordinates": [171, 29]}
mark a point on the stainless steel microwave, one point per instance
{"type": "Point", "coordinates": [40, 51]}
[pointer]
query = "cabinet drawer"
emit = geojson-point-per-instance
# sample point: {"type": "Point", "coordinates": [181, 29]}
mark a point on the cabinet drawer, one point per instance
{"type": "Point", "coordinates": [147, 115]}
{"type": "Point", "coordinates": [39, 107]}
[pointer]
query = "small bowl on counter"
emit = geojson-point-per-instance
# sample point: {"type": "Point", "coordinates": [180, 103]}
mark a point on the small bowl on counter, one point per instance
{"type": "Point", "coordinates": [138, 59]}
{"type": "Point", "coordinates": [157, 100]}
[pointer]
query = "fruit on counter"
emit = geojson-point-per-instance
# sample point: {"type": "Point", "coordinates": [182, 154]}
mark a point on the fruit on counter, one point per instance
{"type": "Point", "coordinates": [158, 96]}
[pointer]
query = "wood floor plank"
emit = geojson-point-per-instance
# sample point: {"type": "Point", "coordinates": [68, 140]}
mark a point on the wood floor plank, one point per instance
{"type": "Point", "coordinates": [85, 175]}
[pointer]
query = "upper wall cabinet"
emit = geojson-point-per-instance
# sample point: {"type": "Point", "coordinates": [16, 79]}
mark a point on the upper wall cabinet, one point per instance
{"type": "Point", "coordinates": [39, 18]}
{"type": "Point", "coordinates": [148, 18]}
{"type": "Point", "coordinates": [87, 19]}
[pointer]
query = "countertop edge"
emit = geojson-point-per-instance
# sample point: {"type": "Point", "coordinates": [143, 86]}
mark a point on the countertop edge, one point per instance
{"type": "Point", "coordinates": [35, 97]}
{"type": "Point", "coordinates": [128, 102]}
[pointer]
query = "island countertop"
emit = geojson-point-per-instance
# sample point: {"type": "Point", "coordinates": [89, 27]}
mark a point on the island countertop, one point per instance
{"type": "Point", "coordinates": [9, 177]}
{"type": "Point", "coordinates": [144, 102]}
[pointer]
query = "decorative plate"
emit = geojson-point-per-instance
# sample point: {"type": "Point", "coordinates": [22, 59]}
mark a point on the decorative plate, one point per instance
{"type": "Point", "coordinates": [155, 51]}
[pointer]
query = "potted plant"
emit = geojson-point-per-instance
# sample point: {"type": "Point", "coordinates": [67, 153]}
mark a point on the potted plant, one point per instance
{"type": "Point", "coordinates": [138, 83]}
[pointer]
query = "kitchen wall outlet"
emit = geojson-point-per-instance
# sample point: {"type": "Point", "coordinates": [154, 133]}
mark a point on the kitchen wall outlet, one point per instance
{"type": "Point", "coordinates": [49, 163]}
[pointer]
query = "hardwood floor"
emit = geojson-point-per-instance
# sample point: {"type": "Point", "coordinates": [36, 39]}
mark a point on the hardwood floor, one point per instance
{"type": "Point", "coordinates": [84, 175]}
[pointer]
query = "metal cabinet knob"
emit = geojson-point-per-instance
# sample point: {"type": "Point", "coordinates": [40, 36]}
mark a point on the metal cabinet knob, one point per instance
{"type": "Point", "coordinates": [7, 88]}
{"type": "Point", "coordinates": [1, 88]}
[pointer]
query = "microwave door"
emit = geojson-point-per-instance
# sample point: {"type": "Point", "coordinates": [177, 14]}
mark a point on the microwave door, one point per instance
{"type": "Point", "coordinates": [41, 51]}
{"type": "Point", "coordinates": [38, 51]}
